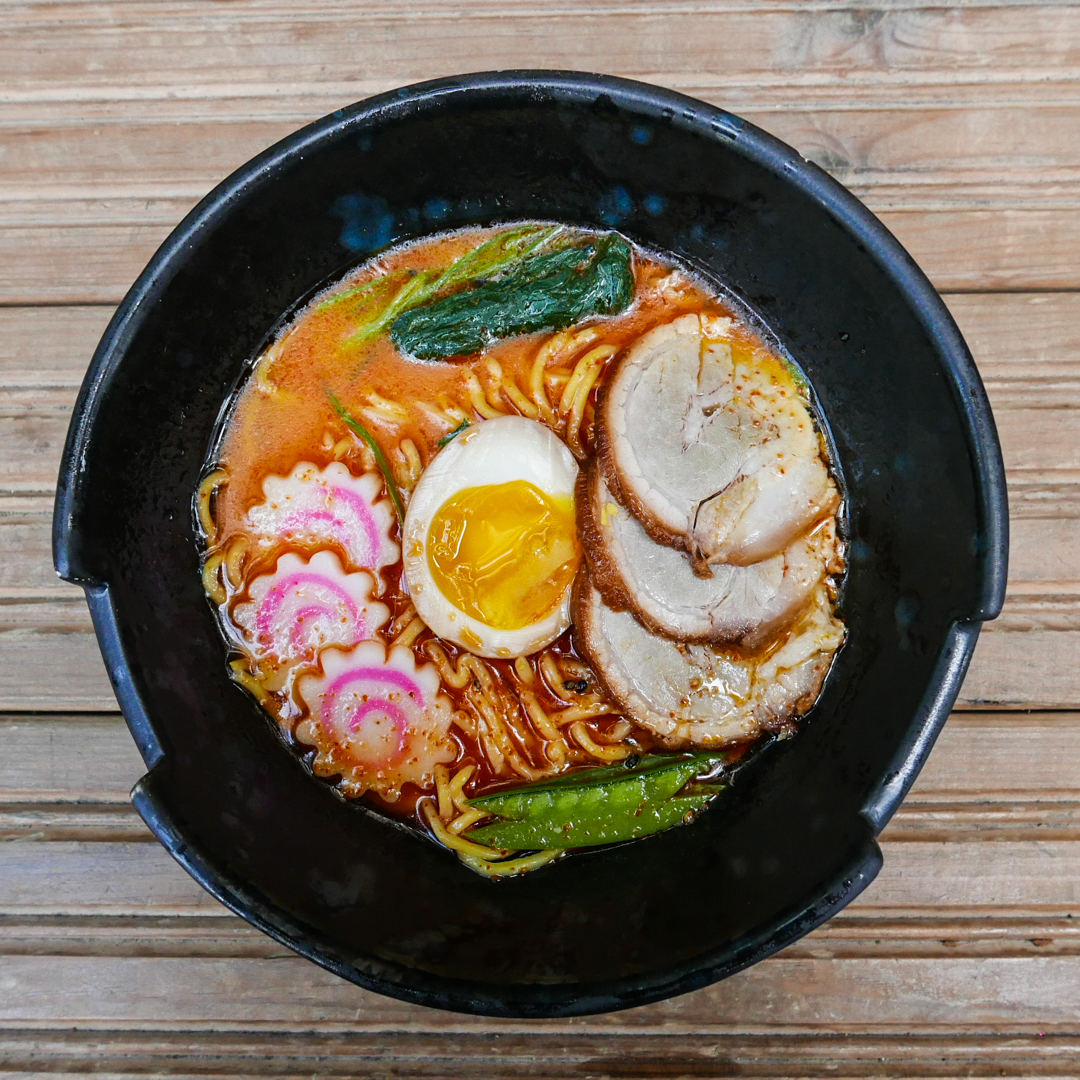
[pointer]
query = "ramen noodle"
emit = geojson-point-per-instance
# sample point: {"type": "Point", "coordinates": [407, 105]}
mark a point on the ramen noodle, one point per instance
{"type": "Point", "coordinates": [526, 536]}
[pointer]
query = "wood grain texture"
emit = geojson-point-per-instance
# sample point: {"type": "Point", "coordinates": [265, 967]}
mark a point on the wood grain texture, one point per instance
{"type": "Point", "coordinates": [1013, 249]}
{"type": "Point", "coordinates": [1035, 441]}
{"type": "Point", "coordinates": [1033, 377]}
{"type": "Point", "coordinates": [76, 878]}
{"type": "Point", "coordinates": [957, 124]}
{"type": "Point", "coordinates": [991, 777]}
{"type": "Point", "coordinates": [1024, 660]}
{"type": "Point", "coordinates": [30, 658]}
{"type": "Point", "coordinates": [965, 148]}
{"type": "Point", "coordinates": [894, 150]}
{"type": "Point", "coordinates": [979, 861]}
{"type": "Point", "coordinates": [79, 47]}
{"type": "Point", "coordinates": [510, 1054]}
{"type": "Point", "coordinates": [923, 996]}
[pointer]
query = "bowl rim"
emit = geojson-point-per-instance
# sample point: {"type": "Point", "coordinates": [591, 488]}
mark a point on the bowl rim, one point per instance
{"type": "Point", "coordinates": [409, 984]}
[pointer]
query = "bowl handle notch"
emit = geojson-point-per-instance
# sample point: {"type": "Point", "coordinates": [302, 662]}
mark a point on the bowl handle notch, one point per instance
{"type": "Point", "coordinates": [933, 711]}
{"type": "Point", "coordinates": [128, 694]}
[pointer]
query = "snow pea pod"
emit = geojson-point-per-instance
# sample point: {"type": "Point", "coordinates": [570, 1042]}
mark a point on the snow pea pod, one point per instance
{"type": "Point", "coordinates": [545, 292]}
{"type": "Point", "coordinates": [598, 806]}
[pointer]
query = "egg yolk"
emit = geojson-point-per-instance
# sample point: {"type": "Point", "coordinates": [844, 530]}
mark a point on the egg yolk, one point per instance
{"type": "Point", "coordinates": [504, 553]}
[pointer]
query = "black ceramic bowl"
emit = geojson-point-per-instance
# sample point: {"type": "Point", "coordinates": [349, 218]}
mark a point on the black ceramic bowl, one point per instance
{"type": "Point", "coordinates": [926, 509]}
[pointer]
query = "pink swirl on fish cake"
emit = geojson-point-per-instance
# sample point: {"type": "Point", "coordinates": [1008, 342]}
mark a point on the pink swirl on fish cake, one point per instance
{"type": "Point", "coordinates": [303, 607]}
{"type": "Point", "coordinates": [314, 507]}
{"type": "Point", "coordinates": [383, 713]}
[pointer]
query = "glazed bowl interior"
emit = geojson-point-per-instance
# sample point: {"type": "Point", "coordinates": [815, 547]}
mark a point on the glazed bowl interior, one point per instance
{"type": "Point", "coordinates": [914, 442]}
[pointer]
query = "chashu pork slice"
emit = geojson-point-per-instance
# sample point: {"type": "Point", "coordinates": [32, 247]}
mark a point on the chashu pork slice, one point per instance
{"type": "Point", "coordinates": [712, 447]}
{"type": "Point", "coordinates": [742, 604]}
{"type": "Point", "coordinates": [698, 695]}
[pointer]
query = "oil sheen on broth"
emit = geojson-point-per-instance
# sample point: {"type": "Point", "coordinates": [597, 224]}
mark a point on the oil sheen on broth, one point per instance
{"type": "Point", "coordinates": [524, 536]}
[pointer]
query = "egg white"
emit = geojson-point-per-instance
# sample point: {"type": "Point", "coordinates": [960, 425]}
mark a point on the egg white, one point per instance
{"type": "Point", "coordinates": [496, 451]}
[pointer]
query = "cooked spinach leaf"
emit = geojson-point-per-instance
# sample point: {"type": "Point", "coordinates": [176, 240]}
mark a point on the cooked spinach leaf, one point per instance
{"type": "Point", "coordinates": [550, 291]}
{"type": "Point", "coordinates": [380, 457]}
{"type": "Point", "coordinates": [376, 306]}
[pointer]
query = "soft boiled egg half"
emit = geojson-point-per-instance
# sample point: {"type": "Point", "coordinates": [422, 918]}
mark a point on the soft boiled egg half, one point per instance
{"type": "Point", "coordinates": [490, 538]}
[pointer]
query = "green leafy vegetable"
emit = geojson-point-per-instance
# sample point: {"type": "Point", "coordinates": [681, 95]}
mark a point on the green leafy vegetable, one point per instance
{"type": "Point", "coordinates": [638, 765]}
{"type": "Point", "coordinates": [380, 457]}
{"type": "Point", "coordinates": [545, 292]}
{"type": "Point", "coordinates": [366, 300]}
{"type": "Point", "coordinates": [415, 291]}
{"type": "Point", "coordinates": [377, 310]}
{"type": "Point", "coordinates": [451, 435]}
{"type": "Point", "coordinates": [597, 806]}
{"type": "Point", "coordinates": [498, 253]}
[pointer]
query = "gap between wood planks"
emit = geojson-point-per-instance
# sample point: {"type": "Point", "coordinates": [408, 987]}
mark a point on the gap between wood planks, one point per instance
{"type": "Point", "coordinates": [920, 997]}
{"type": "Point", "coordinates": [972, 936]}
{"type": "Point", "coordinates": [1024, 659]}
{"type": "Point", "coordinates": [814, 41]}
{"type": "Point", "coordinates": [512, 1054]}
{"type": "Point", "coordinates": [1000, 883]}
{"type": "Point", "coordinates": [132, 161]}
{"type": "Point", "coordinates": [974, 250]}
{"type": "Point", "coordinates": [993, 776]}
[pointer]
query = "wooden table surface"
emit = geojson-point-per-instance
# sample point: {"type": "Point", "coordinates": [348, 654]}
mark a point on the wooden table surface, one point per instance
{"type": "Point", "coordinates": [959, 125]}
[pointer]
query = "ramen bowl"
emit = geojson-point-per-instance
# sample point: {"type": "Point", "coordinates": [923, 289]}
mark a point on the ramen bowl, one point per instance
{"type": "Point", "coordinates": [911, 434]}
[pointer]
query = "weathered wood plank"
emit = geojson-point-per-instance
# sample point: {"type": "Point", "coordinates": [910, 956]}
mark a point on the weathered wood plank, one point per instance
{"type": "Point", "coordinates": [895, 149]}
{"type": "Point", "coordinates": [92, 758]}
{"type": "Point", "coordinates": [1015, 337]}
{"type": "Point", "coordinates": [1027, 670]}
{"type": "Point", "coordinates": [1002, 754]}
{"type": "Point", "coordinates": [999, 248]}
{"type": "Point", "coordinates": [68, 778]}
{"type": "Point", "coordinates": [1043, 549]}
{"type": "Point", "coordinates": [81, 759]}
{"type": "Point", "coordinates": [1024, 670]}
{"type": "Point", "coordinates": [982, 817]}
{"type": "Point", "coordinates": [891, 934]}
{"type": "Point", "coordinates": [991, 777]}
{"type": "Point", "coordinates": [912, 166]}
{"type": "Point", "coordinates": [32, 657]}
{"type": "Point", "coordinates": [1024, 996]}
{"type": "Point", "coordinates": [25, 544]}
{"type": "Point", "coordinates": [505, 1053]}
{"type": "Point", "coordinates": [1044, 558]}
{"type": "Point", "coordinates": [67, 821]}
{"type": "Point", "coordinates": [857, 933]}
{"type": "Point", "coordinates": [954, 122]}
{"type": "Point", "coordinates": [1036, 441]}
{"type": "Point", "coordinates": [65, 265]}
{"type": "Point", "coordinates": [80, 46]}
{"type": "Point", "coordinates": [48, 348]}
{"type": "Point", "coordinates": [1014, 249]}
{"type": "Point", "coordinates": [72, 878]}
{"type": "Point", "coordinates": [228, 935]}
{"type": "Point", "coordinates": [33, 439]}
{"type": "Point", "coordinates": [965, 878]}
{"type": "Point", "coordinates": [1042, 441]}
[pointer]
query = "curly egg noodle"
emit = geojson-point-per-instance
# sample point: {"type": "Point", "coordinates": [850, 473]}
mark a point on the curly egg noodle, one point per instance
{"type": "Point", "coordinates": [418, 569]}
